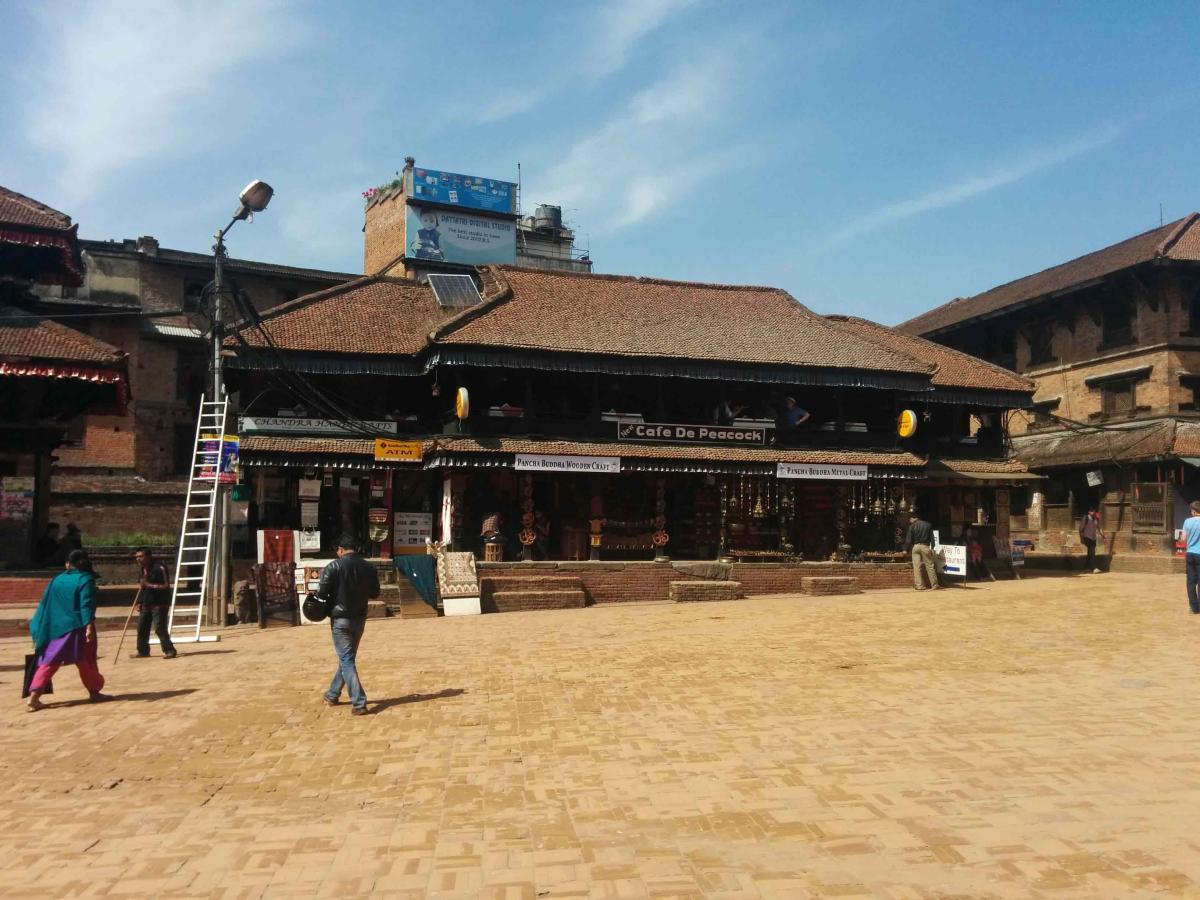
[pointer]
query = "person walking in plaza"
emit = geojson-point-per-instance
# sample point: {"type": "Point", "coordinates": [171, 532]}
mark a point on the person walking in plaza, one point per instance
{"type": "Point", "coordinates": [155, 605]}
{"type": "Point", "coordinates": [347, 584]}
{"type": "Point", "coordinates": [1089, 530]}
{"type": "Point", "coordinates": [1191, 535]}
{"type": "Point", "coordinates": [919, 542]}
{"type": "Point", "coordinates": [64, 630]}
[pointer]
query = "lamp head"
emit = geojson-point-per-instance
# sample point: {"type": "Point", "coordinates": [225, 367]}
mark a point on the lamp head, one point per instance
{"type": "Point", "coordinates": [254, 198]}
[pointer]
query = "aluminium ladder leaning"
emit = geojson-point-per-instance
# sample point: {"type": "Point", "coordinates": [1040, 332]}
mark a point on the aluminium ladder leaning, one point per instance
{"type": "Point", "coordinates": [196, 533]}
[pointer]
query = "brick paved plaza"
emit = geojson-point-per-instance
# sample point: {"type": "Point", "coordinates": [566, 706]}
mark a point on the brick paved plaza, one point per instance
{"type": "Point", "coordinates": [1033, 739]}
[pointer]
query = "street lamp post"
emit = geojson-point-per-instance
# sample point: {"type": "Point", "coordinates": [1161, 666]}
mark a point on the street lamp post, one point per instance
{"type": "Point", "coordinates": [254, 198]}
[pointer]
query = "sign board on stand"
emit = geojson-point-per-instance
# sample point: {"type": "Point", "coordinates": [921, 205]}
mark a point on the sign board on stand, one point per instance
{"type": "Point", "coordinates": [458, 584]}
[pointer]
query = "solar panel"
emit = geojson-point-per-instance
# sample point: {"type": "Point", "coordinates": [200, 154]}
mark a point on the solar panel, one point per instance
{"type": "Point", "coordinates": [453, 291]}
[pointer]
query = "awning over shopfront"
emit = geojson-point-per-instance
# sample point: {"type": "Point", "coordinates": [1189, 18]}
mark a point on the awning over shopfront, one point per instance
{"type": "Point", "coordinates": [1095, 447]}
{"type": "Point", "coordinates": [996, 471]}
{"type": "Point", "coordinates": [464, 452]}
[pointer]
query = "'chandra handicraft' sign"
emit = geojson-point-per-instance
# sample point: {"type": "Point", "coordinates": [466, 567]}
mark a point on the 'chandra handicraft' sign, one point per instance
{"type": "Point", "coordinates": [533, 462]}
{"type": "Point", "coordinates": [289, 425]}
{"type": "Point", "coordinates": [690, 434]}
{"type": "Point", "coordinates": [820, 472]}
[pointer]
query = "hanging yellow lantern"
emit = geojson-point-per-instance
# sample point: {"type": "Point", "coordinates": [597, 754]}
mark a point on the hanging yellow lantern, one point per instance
{"type": "Point", "coordinates": [906, 424]}
{"type": "Point", "coordinates": [462, 403]}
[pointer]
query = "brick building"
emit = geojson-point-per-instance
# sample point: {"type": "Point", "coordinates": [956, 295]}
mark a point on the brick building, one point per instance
{"type": "Point", "coordinates": [127, 472]}
{"type": "Point", "coordinates": [49, 373]}
{"type": "Point", "coordinates": [1112, 342]}
{"type": "Point", "coordinates": [612, 419]}
{"type": "Point", "coordinates": [483, 212]}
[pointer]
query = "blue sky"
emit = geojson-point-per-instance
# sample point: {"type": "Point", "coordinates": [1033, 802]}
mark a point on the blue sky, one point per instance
{"type": "Point", "coordinates": [874, 159]}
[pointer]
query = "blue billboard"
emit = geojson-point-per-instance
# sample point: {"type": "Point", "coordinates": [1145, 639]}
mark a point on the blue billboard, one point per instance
{"type": "Point", "coordinates": [467, 191]}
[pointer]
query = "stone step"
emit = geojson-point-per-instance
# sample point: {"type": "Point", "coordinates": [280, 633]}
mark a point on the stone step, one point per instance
{"type": "Point", "coordinates": [23, 590]}
{"type": "Point", "coordinates": [828, 586]}
{"type": "Point", "coordinates": [417, 609]}
{"type": "Point", "coordinates": [513, 601]}
{"type": "Point", "coordinates": [702, 591]}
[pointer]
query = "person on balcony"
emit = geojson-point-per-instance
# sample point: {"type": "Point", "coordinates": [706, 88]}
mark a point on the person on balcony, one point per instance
{"type": "Point", "coordinates": [793, 415]}
{"type": "Point", "coordinates": [726, 412]}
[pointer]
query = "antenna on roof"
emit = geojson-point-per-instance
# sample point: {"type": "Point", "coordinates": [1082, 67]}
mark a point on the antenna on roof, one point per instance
{"type": "Point", "coordinates": [518, 189]}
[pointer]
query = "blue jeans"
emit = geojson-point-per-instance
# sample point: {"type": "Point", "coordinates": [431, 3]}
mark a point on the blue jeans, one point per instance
{"type": "Point", "coordinates": [1193, 581]}
{"type": "Point", "coordinates": [347, 633]}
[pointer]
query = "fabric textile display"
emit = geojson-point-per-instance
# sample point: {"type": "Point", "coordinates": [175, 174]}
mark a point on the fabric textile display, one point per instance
{"type": "Point", "coordinates": [421, 572]}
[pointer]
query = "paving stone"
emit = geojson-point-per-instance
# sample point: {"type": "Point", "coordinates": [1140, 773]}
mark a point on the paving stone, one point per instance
{"type": "Point", "coordinates": [1031, 739]}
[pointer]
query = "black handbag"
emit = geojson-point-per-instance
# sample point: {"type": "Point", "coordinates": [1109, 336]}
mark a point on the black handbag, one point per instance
{"type": "Point", "coordinates": [315, 609]}
{"type": "Point", "coordinates": [31, 667]}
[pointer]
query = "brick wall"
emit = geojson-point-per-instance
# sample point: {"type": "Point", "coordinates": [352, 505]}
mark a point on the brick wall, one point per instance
{"type": "Point", "coordinates": [1162, 318]}
{"type": "Point", "coordinates": [99, 515]}
{"type": "Point", "coordinates": [384, 235]}
{"type": "Point", "coordinates": [108, 442]}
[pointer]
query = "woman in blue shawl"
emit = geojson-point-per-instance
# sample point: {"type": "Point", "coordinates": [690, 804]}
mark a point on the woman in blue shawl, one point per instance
{"type": "Point", "coordinates": [64, 629]}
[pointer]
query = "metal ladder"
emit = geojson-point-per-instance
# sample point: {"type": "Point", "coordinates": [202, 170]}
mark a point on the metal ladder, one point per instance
{"type": "Point", "coordinates": [196, 532]}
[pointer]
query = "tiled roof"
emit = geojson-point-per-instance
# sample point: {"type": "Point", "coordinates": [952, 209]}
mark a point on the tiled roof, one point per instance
{"type": "Point", "coordinates": [205, 261]}
{"type": "Point", "coordinates": [17, 209]}
{"type": "Point", "coordinates": [953, 369]}
{"type": "Point", "coordinates": [373, 315]}
{"type": "Point", "coordinates": [1082, 448]}
{"type": "Point", "coordinates": [646, 317]}
{"type": "Point", "coordinates": [1178, 240]}
{"type": "Point", "coordinates": [1187, 439]}
{"type": "Point", "coordinates": [982, 466]}
{"type": "Point", "coordinates": [28, 337]}
{"type": "Point", "coordinates": [456, 444]}
{"type": "Point", "coordinates": [266, 444]}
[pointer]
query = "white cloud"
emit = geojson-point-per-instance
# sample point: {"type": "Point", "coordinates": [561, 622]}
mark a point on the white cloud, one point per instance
{"type": "Point", "coordinates": [126, 81]}
{"type": "Point", "coordinates": [973, 185]}
{"type": "Point", "coordinates": [652, 152]}
{"type": "Point", "coordinates": [622, 26]}
{"type": "Point", "coordinates": [614, 33]}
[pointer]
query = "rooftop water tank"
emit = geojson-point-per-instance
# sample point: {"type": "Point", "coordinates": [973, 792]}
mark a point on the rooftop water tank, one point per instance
{"type": "Point", "coordinates": [547, 218]}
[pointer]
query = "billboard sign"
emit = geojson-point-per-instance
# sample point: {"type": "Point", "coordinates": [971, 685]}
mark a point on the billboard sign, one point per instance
{"type": "Point", "coordinates": [820, 471]}
{"type": "Point", "coordinates": [441, 235]}
{"type": "Point", "coordinates": [661, 432]}
{"type": "Point", "coordinates": [536, 462]}
{"type": "Point", "coordinates": [467, 191]}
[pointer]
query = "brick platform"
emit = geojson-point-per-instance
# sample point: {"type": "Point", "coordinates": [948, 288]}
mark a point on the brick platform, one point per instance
{"type": "Point", "coordinates": [830, 586]}
{"type": "Point", "coordinates": [1026, 740]}
{"type": "Point", "coordinates": [625, 582]}
{"type": "Point", "coordinates": [699, 591]}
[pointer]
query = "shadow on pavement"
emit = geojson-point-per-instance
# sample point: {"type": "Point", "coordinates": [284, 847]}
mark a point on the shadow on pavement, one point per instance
{"type": "Point", "coordinates": [380, 705]}
{"type": "Point", "coordinates": [142, 695]}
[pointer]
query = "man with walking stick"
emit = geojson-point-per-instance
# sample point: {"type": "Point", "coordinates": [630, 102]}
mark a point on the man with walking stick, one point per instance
{"type": "Point", "coordinates": [156, 604]}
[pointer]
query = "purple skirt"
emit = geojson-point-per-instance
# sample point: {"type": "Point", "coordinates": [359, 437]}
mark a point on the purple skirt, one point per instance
{"type": "Point", "coordinates": [66, 650]}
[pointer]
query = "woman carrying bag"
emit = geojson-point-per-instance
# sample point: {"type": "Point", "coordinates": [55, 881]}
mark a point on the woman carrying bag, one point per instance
{"type": "Point", "coordinates": [64, 630]}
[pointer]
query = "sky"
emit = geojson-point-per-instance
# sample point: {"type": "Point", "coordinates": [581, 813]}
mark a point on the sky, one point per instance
{"type": "Point", "coordinates": [871, 159]}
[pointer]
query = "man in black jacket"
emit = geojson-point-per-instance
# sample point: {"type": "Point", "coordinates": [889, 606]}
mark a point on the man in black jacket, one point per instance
{"type": "Point", "coordinates": [919, 542]}
{"type": "Point", "coordinates": [346, 585]}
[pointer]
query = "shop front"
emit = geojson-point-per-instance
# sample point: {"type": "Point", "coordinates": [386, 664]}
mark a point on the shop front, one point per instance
{"type": "Point", "coordinates": [509, 499]}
